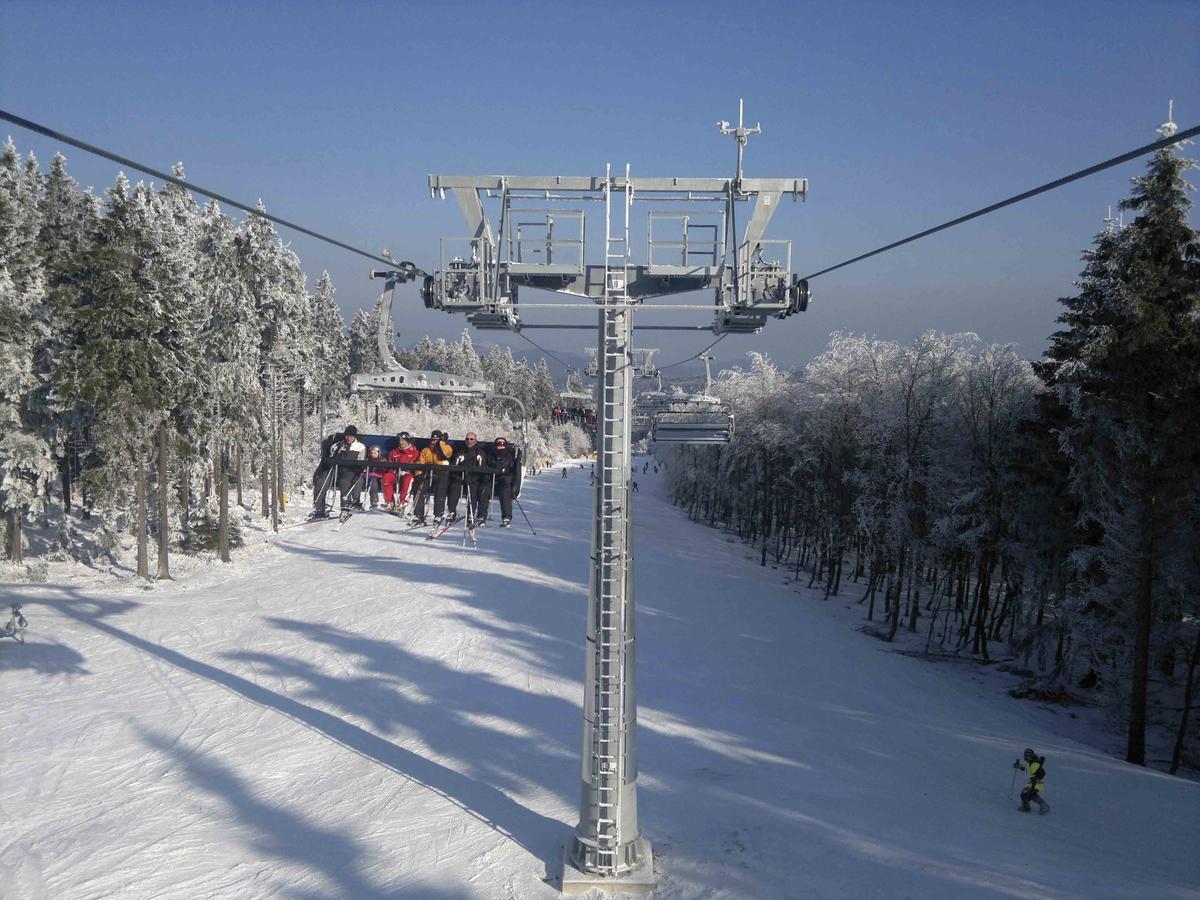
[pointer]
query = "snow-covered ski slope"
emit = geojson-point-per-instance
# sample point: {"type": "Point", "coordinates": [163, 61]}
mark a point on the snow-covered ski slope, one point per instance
{"type": "Point", "coordinates": [368, 714]}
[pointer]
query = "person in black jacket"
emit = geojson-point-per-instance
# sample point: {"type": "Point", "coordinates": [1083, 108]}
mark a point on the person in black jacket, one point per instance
{"type": "Point", "coordinates": [504, 461]}
{"type": "Point", "coordinates": [471, 457]}
{"type": "Point", "coordinates": [341, 445]}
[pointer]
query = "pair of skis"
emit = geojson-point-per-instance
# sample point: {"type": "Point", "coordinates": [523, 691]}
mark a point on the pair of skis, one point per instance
{"type": "Point", "coordinates": [469, 536]}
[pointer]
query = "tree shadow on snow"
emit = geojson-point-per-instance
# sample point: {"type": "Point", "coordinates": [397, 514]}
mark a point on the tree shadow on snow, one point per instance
{"type": "Point", "coordinates": [500, 734]}
{"type": "Point", "coordinates": [275, 832]}
{"type": "Point", "coordinates": [541, 836]}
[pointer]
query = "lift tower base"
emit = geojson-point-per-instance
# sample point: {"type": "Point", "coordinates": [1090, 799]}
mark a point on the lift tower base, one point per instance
{"type": "Point", "coordinates": [640, 881]}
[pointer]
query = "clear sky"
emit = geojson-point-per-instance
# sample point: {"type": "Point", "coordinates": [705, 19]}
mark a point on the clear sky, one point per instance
{"type": "Point", "coordinates": [901, 115]}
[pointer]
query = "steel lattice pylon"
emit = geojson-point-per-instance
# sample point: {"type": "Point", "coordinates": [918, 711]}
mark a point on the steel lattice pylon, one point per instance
{"type": "Point", "coordinates": [608, 849]}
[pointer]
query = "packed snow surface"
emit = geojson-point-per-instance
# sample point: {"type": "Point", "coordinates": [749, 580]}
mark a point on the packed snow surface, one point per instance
{"type": "Point", "coordinates": [363, 713]}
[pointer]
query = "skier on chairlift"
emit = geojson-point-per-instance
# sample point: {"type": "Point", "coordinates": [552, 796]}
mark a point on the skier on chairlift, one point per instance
{"type": "Point", "coordinates": [374, 477]}
{"type": "Point", "coordinates": [436, 453]}
{"type": "Point", "coordinates": [398, 482]}
{"type": "Point", "coordinates": [340, 446]}
{"type": "Point", "coordinates": [504, 461]}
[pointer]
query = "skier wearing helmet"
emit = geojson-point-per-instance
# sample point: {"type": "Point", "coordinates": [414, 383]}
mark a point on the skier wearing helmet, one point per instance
{"type": "Point", "coordinates": [1035, 768]}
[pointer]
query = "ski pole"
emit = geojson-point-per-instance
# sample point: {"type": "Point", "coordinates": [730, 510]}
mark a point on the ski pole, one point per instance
{"type": "Point", "coordinates": [522, 509]}
{"type": "Point", "coordinates": [1012, 784]}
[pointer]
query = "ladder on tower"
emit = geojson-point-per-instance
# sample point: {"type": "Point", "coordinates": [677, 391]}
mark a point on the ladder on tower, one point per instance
{"type": "Point", "coordinates": [608, 736]}
{"type": "Point", "coordinates": [616, 247]}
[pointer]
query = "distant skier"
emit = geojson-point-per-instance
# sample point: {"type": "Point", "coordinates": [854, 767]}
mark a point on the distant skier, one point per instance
{"type": "Point", "coordinates": [1035, 768]}
{"type": "Point", "coordinates": [635, 487]}
{"type": "Point", "coordinates": [564, 471]}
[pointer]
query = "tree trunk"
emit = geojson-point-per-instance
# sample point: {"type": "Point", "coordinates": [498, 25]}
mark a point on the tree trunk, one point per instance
{"type": "Point", "coordinates": [139, 520]}
{"type": "Point", "coordinates": [237, 464]}
{"type": "Point", "coordinates": [1177, 753]}
{"type": "Point", "coordinates": [894, 609]}
{"type": "Point", "coordinates": [66, 480]}
{"type": "Point", "coordinates": [265, 480]}
{"type": "Point", "coordinates": [222, 506]}
{"type": "Point", "coordinates": [1135, 751]}
{"type": "Point", "coordinates": [164, 505]}
{"type": "Point", "coordinates": [15, 553]}
{"type": "Point", "coordinates": [185, 497]}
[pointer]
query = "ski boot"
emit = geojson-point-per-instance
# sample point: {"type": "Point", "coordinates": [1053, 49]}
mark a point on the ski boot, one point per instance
{"type": "Point", "coordinates": [506, 523]}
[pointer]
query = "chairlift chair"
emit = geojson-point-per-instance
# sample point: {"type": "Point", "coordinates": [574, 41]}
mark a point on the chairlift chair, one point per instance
{"type": "Point", "coordinates": [694, 420]}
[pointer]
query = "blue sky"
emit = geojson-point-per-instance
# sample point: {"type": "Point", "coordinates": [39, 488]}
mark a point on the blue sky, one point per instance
{"type": "Point", "coordinates": [900, 115]}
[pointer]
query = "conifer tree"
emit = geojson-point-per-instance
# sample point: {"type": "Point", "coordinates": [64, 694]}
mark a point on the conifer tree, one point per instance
{"type": "Point", "coordinates": [331, 346]}
{"type": "Point", "coordinates": [232, 400]}
{"type": "Point", "coordinates": [25, 464]}
{"type": "Point", "coordinates": [1127, 367]}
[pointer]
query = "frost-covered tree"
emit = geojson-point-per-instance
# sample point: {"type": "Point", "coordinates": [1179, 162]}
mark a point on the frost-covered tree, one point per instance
{"type": "Point", "coordinates": [25, 459]}
{"type": "Point", "coordinates": [231, 403]}
{"type": "Point", "coordinates": [363, 345]}
{"type": "Point", "coordinates": [331, 348]}
{"type": "Point", "coordinates": [1128, 368]}
{"type": "Point", "coordinates": [134, 347]}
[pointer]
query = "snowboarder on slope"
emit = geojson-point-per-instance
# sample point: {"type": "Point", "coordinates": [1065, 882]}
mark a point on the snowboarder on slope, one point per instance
{"type": "Point", "coordinates": [1035, 768]}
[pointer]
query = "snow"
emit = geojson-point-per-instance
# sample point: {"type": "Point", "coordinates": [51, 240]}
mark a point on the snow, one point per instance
{"type": "Point", "coordinates": [364, 714]}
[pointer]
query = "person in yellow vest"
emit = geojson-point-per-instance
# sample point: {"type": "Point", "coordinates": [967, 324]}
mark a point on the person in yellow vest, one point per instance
{"type": "Point", "coordinates": [1035, 768]}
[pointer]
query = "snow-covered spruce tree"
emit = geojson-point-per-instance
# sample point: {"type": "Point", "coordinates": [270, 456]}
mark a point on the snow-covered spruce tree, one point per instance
{"type": "Point", "coordinates": [126, 362]}
{"type": "Point", "coordinates": [364, 344]}
{"type": "Point", "coordinates": [270, 273]}
{"type": "Point", "coordinates": [171, 261]}
{"type": "Point", "coordinates": [70, 218]}
{"type": "Point", "coordinates": [331, 348]}
{"type": "Point", "coordinates": [25, 459]}
{"type": "Point", "coordinates": [463, 358]}
{"type": "Point", "coordinates": [231, 401]}
{"type": "Point", "coordinates": [1128, 367]}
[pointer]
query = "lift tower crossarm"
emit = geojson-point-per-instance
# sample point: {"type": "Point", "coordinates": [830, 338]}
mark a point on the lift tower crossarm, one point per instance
{"type": "Point", "coordinates": [439, 184]}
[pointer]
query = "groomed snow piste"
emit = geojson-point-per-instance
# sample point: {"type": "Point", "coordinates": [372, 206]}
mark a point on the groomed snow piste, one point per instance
{"type": "Point", "coordinates": [367, 714]}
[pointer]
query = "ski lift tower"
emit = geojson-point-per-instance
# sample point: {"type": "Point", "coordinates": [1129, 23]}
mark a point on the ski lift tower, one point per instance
{"type": "Point", "coordinates": [539, 243]}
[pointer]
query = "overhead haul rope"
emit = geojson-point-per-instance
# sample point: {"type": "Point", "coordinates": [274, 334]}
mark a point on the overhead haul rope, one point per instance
{"type": "Point", "coordinates": [186, 185]}
{"type": "Point", "coordinates": [1048, 186]}
{"type": "Point", "coordinates": [558, 360]}
{"type": "Point", "coordinates": [696, 355]}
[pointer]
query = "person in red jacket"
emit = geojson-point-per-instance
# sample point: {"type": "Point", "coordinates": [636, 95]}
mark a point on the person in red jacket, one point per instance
{"type": "Point", "coordinates": [395, 490]}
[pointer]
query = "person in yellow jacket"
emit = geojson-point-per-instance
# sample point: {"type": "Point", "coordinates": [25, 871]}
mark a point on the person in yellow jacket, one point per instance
{"type": "Point", "coordinates": [436, 453]}
{"type": "Point", "coordinates": [1035, 768]}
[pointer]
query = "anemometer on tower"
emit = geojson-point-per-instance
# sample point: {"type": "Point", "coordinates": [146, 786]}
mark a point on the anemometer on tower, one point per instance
{"type": "Point", "coordinates": [539, 242]}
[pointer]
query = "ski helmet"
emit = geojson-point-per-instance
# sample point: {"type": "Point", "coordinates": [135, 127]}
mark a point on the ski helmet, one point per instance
{"type": "Point", "coordinates": [1029, 754]}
